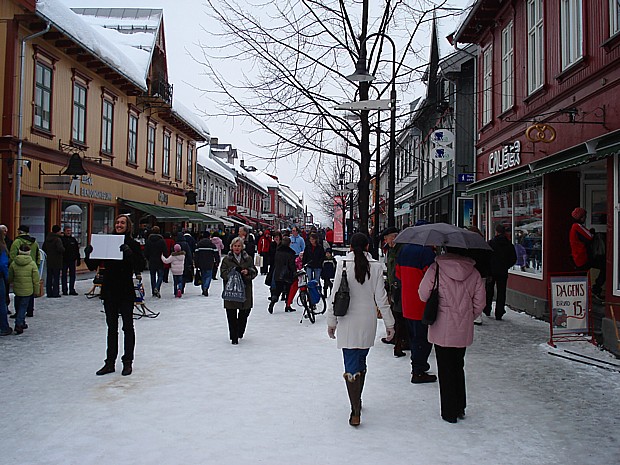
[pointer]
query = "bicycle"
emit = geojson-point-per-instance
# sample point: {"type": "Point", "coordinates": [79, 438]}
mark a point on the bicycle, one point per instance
{"type": "Point", "coordinates": [311, 310]}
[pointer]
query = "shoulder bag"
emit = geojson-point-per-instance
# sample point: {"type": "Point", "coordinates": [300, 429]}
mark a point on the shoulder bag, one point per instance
{"type": "Point", "coordinates": [342, 296]}
{"type": "Point", "coordinates": [432, 304]}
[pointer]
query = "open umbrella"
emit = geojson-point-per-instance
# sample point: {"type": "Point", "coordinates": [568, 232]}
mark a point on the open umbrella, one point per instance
{"type": "Point", "coordinates": [438, 234]}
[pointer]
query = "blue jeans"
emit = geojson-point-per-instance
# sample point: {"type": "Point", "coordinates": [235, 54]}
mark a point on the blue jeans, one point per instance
{"type": "Point", "coordinates": [314, 273]}
{"type": "Point", "coordinates": [157, 277]}
{"type": "Point", "coordinates": [206, 276]}
{"type": "Point", "coordinates": [419, 345]}
{"type": "Point", "coordinates": [354, 360]}
{"type": "Point", "coordinates": [21, 306]}
{"type": "Point", "coordinates": [178, 282]}
{"type": "Point", "coordinates": [68, 270]}
{"type": "Point", "coordinates": [4, 321]}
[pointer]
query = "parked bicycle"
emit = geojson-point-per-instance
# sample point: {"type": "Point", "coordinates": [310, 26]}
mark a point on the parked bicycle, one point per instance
{"type": "Point", "coordinates": [310, 298]}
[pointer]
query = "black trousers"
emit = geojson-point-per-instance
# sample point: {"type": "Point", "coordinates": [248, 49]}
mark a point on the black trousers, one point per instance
{"type": "Point", "coordinates": [237, 321]}
{"type": "Point", "coordinates": [451, 371]}
{"type": "Point", "coordinates": [500, 282]}
{"type": "Point", "coordinates": [112, 311]}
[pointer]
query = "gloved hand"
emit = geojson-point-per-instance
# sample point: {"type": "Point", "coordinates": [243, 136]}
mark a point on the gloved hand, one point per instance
{"type": "Point", "coordinates": [238, 269]}
{"type": "Point", "coordinates": [88, 250]}
{"type": "Point", "coordinates": [331, 332]}
{"type": "Point", "coordinates": [125, 249]}
{"type": "Point", "coordinates": [79, 262]}
{"type": "Point", "coordinates": [389, 333]}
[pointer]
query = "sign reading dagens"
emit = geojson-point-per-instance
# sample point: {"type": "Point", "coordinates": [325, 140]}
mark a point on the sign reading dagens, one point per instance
{"type": "Point", "coordinates": [569, 299]}
{"type": "Point", "coordinates": [508, 157]}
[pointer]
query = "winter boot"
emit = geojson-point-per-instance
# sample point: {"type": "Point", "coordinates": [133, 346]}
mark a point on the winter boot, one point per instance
{"type": "Point", "coordinates": [354, 388]}
{"type": "Point", "coordinates": [363, 378]}
{"type": "Point", "coordinates": [126, 368]}
{"type": "Point", "coordinates": [271, 305]}
{"type": "Point", "coordinates": [108, 367]}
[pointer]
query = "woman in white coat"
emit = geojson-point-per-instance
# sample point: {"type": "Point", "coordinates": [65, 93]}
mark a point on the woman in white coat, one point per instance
{"type": "Point", "coordinates": [358, 328]}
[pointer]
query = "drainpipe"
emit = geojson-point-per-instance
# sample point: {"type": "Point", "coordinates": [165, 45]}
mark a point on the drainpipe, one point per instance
{"type": "Point", "coordinates": [20, 121]}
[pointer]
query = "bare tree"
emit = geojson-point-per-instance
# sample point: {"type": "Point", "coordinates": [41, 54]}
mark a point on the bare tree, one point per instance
{"type": "Point", "coordinates": [294, 56]}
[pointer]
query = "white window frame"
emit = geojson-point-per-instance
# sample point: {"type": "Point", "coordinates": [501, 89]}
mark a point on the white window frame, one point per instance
{"type": "Point", "coordinates": [508, 67]}
{"type": "Point", "coordinates": [78, 127]}
{"type": "Point", "coordinates": [487, 85]}
{"type": "Point", "coordinates": [535, 46]}
{"type": "Point", "coordinates": [132, 139]}
{"type": "Point", "coordinates": [614, 17]}
{"type": "Point", "coordinates": [571, 32]}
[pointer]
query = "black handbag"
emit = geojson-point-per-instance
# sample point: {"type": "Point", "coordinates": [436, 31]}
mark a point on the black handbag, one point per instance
{"type": "Point", "coordinates": [342, 297]}
{"type": "Point", "coordinates": [432, 304]}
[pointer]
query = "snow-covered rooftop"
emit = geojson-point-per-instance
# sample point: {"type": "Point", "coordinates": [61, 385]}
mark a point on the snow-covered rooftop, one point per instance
{"type": "Point", "coordinates": [212, 165]}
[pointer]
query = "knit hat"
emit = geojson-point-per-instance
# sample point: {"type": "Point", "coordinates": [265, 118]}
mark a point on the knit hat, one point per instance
{"type": "Point", "coordinates": [388, 231]}
{"type": "Point", "coordinates": [23, 228]}
{"type": "Point", "coordinates": [578, 213]}
{"type": "Point", "coordinates": [177, 248]}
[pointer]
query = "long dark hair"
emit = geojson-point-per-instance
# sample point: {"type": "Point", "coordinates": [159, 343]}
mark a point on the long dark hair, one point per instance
{"type": "Point", "coordinates": [359, 242]}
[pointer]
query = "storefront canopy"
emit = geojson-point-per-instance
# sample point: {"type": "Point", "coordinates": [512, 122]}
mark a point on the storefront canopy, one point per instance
{"type": "Point", "coordinates": [162, 213]}
{"type": "Point", "coordinates": [238, 222]}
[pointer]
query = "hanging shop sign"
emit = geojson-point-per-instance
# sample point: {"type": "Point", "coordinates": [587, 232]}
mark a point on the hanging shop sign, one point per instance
{"type": "Point", "coordinates": [508, 157]}
{"type": "Point", "coordinates": [442, 154]}
{"type": "Point", "coordinates": [442, 137]}
{"type": "Point", "coordinates": [57, 183]}
{"type": "Point", "coordinates": [540, 133]}
{"type": "Point", "coordinates": [162, 197]}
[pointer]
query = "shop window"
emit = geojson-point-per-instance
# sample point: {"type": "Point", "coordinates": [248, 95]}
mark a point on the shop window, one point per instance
{"type": "Point", "coordinates": [528, 226]}
{"type": "Point", "coordinates": [501, 210]}
{"type": "Point", "coordinates": [75, 216]}
{"type": "Point", "coordinates": [103, 219]}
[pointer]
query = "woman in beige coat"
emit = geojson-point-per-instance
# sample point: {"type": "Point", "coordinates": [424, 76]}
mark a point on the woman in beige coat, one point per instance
{"type": "Point", "coordinates": [357, 330]}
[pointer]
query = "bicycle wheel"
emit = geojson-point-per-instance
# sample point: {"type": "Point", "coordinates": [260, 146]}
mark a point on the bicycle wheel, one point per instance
{"type": "Point", "coordinates": [320, 306]}
{"type": "Point", "coordinates": [304, 297]}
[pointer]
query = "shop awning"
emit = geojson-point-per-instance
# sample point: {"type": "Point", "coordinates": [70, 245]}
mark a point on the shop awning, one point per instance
{"type": "Point", "coordinates": [163, 213]}
{"type": "Point", "coordinates": [238, 222]}
{"type": "Point", "coordinates": [219, 219]}
{"type": "Point", "coordinates": [497, 182]}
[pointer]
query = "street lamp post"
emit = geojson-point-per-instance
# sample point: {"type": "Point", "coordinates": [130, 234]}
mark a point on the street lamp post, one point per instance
{"type": "Point", "coordinates": [347, 168]}
{"type": "Point", "coordinates": [362, 75]}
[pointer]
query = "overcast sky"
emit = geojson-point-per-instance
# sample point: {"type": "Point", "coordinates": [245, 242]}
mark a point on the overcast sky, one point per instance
{"type": "Point", "coordinates": [183, 22]}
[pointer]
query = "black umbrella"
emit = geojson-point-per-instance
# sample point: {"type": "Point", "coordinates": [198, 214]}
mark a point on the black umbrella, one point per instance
{"type": "Point", "coordinates": [438, 234]}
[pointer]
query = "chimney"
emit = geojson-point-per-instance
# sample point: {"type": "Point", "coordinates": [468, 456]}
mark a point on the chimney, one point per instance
{"type": "Point", "coordinates": [242, 163]}
{"type": "Point", "coordinates": [214, 141]}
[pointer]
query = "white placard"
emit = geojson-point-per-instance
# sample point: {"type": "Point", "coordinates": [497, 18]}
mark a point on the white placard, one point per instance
{"type": "Point", "coordinates": [442, 137]}
{"type": "Point", "coordinates": [107, 246]}
{"type": "Point", "coordinates": [569, 303]}
{"type": "Point", "coordinates": [442, 154]}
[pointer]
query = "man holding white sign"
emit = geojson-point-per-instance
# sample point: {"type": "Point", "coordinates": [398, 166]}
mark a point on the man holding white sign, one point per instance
{"type": "Point", "coordinates": [121, 257]}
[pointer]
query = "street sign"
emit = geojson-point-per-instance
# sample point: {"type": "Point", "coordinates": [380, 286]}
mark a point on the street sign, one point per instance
{"type": "Point", "coordinates": [466, 177]}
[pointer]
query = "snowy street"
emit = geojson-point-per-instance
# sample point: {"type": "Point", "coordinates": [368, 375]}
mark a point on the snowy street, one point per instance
{"type": "Point", "coordinates": [279, 396]}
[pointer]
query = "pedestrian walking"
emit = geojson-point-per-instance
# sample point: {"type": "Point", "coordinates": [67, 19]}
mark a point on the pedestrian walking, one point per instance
{"type": "Point", "coordinates": [313, 257]}
{"type": "Point", "coordinates": [355, 332]}
{"type": "Point", "coordinates": [169, 249]}
{"type": "Point", "coordinates": [502, 259]}
{"type": "Point", "coordinates": [23, 238]}
{"type": "Point", "coordinates": [55, 254]}
{"type": "Point", "coordinates": [298, 243]}
{"type": "Point", "coordinates": [5, 329]}
{"type": "Point", "coordinates": [154, 248]}
{"type": "Point", "coordinates": [24, 276]}
{"type": "Point", "coordinates": [328, 272]}
{"type": "Point", "coordinates": [70, 261]}
{"type": "Point", "coordinates": [461, 300]}
{"type": "Point", "coordinates": [264, 242]}
{"type": "Point", "coordinates": [176, 260]}
{"type": "Point", "coordinates": [188, 271]}
{"type": "Point", "coordinates": [219, 245]}
{"type": "Point", "coordinates": [283, 272]}
{"type": "Point", "coordinates": [237, 313]}
{"type": "Point", "coordinates": [204, 258]}
{"type": "Point", "coordinates": [118, 295]}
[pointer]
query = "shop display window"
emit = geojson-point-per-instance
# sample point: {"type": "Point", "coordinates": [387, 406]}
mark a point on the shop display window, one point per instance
{"type": "Point", "coordinates": [75, 216]}
{"type": "Point", "coordinates": [103, 219]}
{"type": "Point", "coordinates": [528, 226]}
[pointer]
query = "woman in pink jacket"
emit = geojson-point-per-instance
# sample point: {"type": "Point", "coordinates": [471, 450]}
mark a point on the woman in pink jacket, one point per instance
{"type": "Point", "coordinates": [462, 298]}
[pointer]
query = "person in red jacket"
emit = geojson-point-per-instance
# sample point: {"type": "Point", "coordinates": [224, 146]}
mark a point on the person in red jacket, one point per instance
{"type": "Point", "coordinates": [581, 239]}
{"type": "Point", "coordinates": [411, 264]}
{"type": "Point", "coordinates": [264, 242]}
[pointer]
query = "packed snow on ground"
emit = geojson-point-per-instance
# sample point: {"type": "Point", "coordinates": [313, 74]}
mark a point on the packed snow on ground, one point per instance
{"type": "Point", "coordinates": [279, 397]}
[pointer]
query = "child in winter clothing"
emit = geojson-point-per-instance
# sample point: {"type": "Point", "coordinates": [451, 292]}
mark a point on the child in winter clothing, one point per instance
{"type": "Point", "coordinates": [177, 265]}
{"type": "Point", "coordinates": [329, 271]}
{"type": "Point", "coordinates": [24, 275]}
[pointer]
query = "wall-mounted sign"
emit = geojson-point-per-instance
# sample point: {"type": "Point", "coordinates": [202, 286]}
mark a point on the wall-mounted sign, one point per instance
{"type": "Point", "coordinates": [231, 210]}
{"type": "Point", "coordinates": [267, 216]}
{"type": "Point", "coordinates": [442, 137]}
{"type": "Point", "coordinates": [75, 188]}
{"type": "Point", "coordinates": [162, 197]}
{"type": "Point", "coordinates": [57, 183]}
{"type": "Point", "coordinates": [540, 133]}
{"type": "Point", "coordinates": [507, 157]}
{"type": "Point", "coordinates": [442, 154]}
{"type": "Point", "coordinates": [466, 177]}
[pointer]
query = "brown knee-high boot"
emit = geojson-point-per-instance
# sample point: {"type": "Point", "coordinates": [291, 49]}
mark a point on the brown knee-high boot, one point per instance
{"type": "Point", "coordinates": [354, 389]}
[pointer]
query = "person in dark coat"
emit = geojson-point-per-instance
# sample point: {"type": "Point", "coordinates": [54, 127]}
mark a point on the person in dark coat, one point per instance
{"type": "Point", "coordinates": [190, 240]}
{"type": "Point", "coordinates": [205, 257]}
{"type": "Point", "coordinates": [189, 260]}
{"type": "Point", "coordinates": [154, 248]}
{"type": "Point", "coordinates": [55, 251]}
{"type": "Point", "coordinates": [118, 295]}
{"type": "Point", "coordinates": [271, 256]}
{"type": "Point", "coordinates": [237, 313]}
{"type": "Point", "coordinates": [328, 272]}
{"type": "Point", "coordinates": [169, 248]}
{"type": "Point", "coordinates": [502, 259]}
{"type": "Point", "coordinates": [70, 260]}
{"type": "Point", "coordinates": [284, 272]}
{"type": "Point", "coordinates": [313, 257]}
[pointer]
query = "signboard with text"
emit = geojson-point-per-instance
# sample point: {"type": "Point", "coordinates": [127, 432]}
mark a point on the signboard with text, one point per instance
{"type": "Point", "coordinates": [569, 301]}
{"type": "Point", "coordinates": [339, 205]}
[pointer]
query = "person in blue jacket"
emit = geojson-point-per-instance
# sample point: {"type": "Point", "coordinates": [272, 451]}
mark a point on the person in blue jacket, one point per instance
{"type": "Point", "coordinates": [5, 329]}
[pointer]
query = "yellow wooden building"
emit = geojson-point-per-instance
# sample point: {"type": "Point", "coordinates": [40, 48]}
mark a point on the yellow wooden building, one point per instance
{"type": "Point", "coordinates": [88, 88]}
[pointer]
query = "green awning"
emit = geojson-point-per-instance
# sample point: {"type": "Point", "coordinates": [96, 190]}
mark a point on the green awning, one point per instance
{"type": "Point", "coordinates": [162, 213]}
{"type": "Point", "coordinates": [497, 182]}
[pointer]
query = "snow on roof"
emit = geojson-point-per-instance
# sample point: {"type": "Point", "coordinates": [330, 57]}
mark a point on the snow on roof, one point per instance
{"type": "Point", "coordinates": [253, 179]}
{"type": "Point", "coordinates": [184, 113]}
{"type": "Point", "coordinates": [266, 179]}
{"type": "Point", "coordinates": [212, 165]}
{"type": "Point", "coordinates": [106, 44]}
{"type": "Point", "coordinates": [289, 195]}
